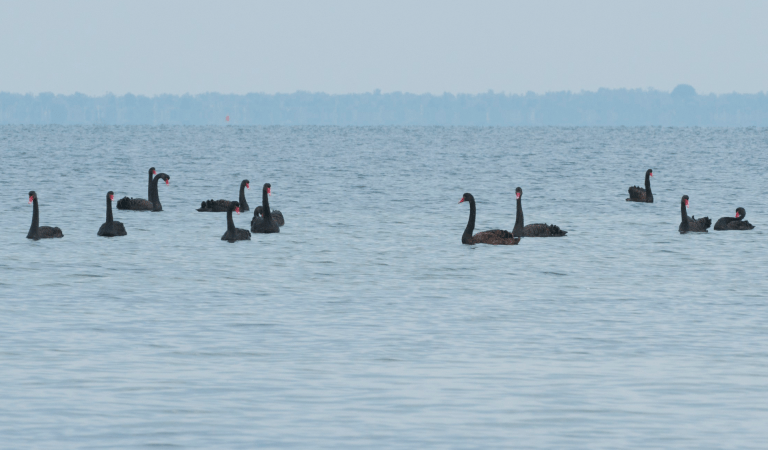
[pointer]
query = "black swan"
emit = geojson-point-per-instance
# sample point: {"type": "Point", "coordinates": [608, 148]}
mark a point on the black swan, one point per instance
{"type": "Point", "coordinates": [491, 237]}
{"type": "Point", "coordinates": [734, 223]}
{"type": "Point", "coordinates": [139, 204]}
{"type": "Point", "coordinates": [267, 223]}
{"type": "Point", "coordinates": [35, 230]}
{"type": "Point", "coordinates": [111, 228]}
{"type": "Point", "coordinates": [234, 234]}
{"type": "Point", "coordinates": [534, 229]}
{"type": "Point", "coordinates": [692, 224]}
{"type": "Point", "coordinates": [223, 205]}
{"type": "Point", "coordinates": [637, 194]}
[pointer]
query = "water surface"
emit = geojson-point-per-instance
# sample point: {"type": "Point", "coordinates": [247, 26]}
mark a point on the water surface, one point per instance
{"type": "Point", "coordinates": [365, 323]}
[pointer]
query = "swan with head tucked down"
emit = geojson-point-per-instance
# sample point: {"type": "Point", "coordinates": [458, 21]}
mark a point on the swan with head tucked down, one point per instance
{"type": "Point", "coordinates": [264, 219]}
{"type": "Point", "coordinates": [37, 232]}
{"type": "Point", "coordinates": [534, 229]}
{"type": "Point", "coordinates": [691, 224]}
{"type": "Point", "coordinates": [491, 237]}
{"type": "Point", "coordinates": [111, 227]}
{"type": "Point", "coordinates": [637, 194]}
{"type": "Point", "coordinates": [734, 223]}
{"type": "Point", "coordinates": [234, 234]}
{"type": "Point", "coordinates": [223, 205]}
{"type": "Point", "coordinates": [139, 204]}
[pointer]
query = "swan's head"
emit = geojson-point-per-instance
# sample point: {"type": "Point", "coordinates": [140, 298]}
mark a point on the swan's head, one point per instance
{"type": "Point", "coordinates": [740, 213]}
{"type": "Point", "coordinates": [649, 173]}
{"type": "Point", "coordinates": [235, 206]}
{"type": "Point", "coordinates": [165, 178]}
{"type": "Point", "coordinates": [202, 204]}
{"type": "Point", "coordinates": [467, 197]}
{"type": "Point", "coordinates": [111, 196]}
{"type": "Point", "coordinates": [247, 184]}
{"type": "Point", "coordinates": [268, 188]}
{"type": "Point", "coordinates": [685, 200]}
{"type": "Point", "coordinates": [258, 211]}
{"type": "Point", "coordinates": [32, 196]}
{"type": "Point", "coordinates": [152, 171]}
{"type": "Point", "coordinates": [518, 192]}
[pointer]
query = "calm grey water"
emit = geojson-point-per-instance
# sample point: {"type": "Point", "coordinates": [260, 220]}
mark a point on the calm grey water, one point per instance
{"type": "Point", "coordinates": [365, 323]}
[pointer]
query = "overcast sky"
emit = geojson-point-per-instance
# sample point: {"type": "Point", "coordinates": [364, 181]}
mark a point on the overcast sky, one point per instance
{"type": "Point", "coordinates": [176, 47]}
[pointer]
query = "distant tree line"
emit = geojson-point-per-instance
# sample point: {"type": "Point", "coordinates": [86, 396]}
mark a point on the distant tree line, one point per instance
{"type": "Point", "coordinates": [609, 107]}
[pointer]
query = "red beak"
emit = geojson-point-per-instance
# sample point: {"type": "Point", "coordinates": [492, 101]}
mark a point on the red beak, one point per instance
{"type": "Point", "coordinates": [517, 195]}
{"type": "Point", "coordinates": [651, 174]}
{"type": "Point", "coordinates": [686, 203]}
{"type": "Point", "coordinates": [737, 214]}
{"type": "Point", "coordinates": [269, 191]}
{"type": "Point", "coordinates": [154, 172]}
{"type": "Point", "coordinates": [462, 200]}
{"type": "Point", "coordinates": [111, 197]}
{"type": "Point", "coordinates": [248, 185]}
{"type": "Point", "coordinates": [237, 209]}
{"type": "Point", "coordinates": [167, 181]}
{"type": "Point", "coordinates": [31, 199]}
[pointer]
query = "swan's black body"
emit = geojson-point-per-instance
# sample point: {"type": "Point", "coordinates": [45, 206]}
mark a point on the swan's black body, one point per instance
{"type": "Point", "coordinates": [490, 237]}
{"type": "Point", "coordinates": [637, 194]}
{"type": "Point", "coordinates": [277, 215]}
{"type": "Point", "coordinates": [234, 234]}
{"type": "Point", "coordinates": [111, 228]}
{"type": "Point", "coordinates": [223, 205]}
{"type": "Point", "coordinates": [139, 204]}
{"type": "Point", "coordinates": [535, 229]}
{"type": "Point", "coordinates": [692, 224]}
{"type": "Point", "coordinates": [37, 232]}
{"type": "Point", "coordinates": [734, 223]}
{"type": "Point", "coordinates": [267, 222]}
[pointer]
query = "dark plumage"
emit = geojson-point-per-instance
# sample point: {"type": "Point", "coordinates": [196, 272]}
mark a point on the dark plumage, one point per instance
{"type": "Point", "coordinates": [637, 194]}
{"type": "Point", "coordinates": [234, 234]}
{"type": "Point", "coordinates": [111, 228]}
{"type": "Point", "coordinates": [734, 223]}
{"type": "Point", "coordinates": [277, 215]}
{"type": "Point", "coordinates": [692, 224]}
{"type": "Point", "coordinates": [491, 237]}
{"type": "Point", "coordinates": [266, 223]}
{"type": "Point", "coordinates": [223, 205]}
{"type": "Point", "coordinates": [139, 204]}
{"type": "Point", "coordinates": [535, 229]}
{"type": "Point", "coordinates": [37, 232]}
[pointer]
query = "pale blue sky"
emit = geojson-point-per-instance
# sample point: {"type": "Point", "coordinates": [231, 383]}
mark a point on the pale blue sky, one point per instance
{"type": "Point", "coordinates": [154, 47]}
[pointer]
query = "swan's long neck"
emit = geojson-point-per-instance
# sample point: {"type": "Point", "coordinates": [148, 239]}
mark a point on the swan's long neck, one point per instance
{"type": "Point", "coordinates": [149, 188]}
{"type": "Point", "coordinates": [109, 209]}
{"type": "Point", "coordinates": [35, 217]}
{"type": "Point", "coordinates": [684, 215]}
{"type": "Point", "coordinates": [648, 185]}
{"type": "Point", "coordinates": [519, 221]}
{"type": "Point", "coordinates": [471, 224]}
{"type": "Point", "coordinates": [243, 203]}
{"type": "Point", "coordinates": [230, 222]}
{"type": "Point", "coordinates": [267, 213]}
{"type": "Point", "coordinates": [154, 197]}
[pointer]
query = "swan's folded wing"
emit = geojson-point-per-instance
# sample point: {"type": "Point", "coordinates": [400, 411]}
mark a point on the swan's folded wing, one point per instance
{"type": "Point", "coordinates": [636, 193]}
{"type": "Point", "coordinates": [495, 237]}
{"type": "Point", "coordinates": [136, 204]}
{"type": "Point", "coordinates": [50, 232]}
{"type": "Point", "coordinates": [278, 216]}
{"type": "Point", "coordinates": [543, 230]}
